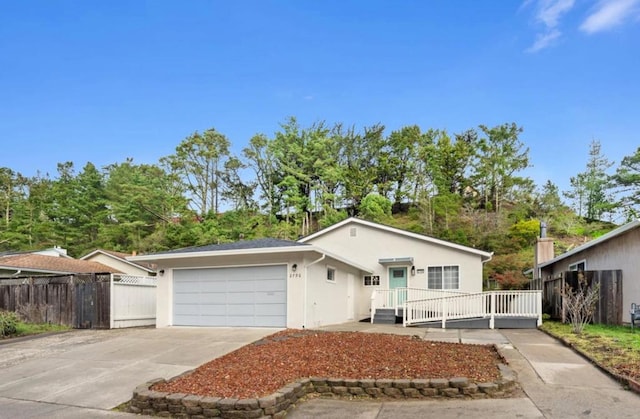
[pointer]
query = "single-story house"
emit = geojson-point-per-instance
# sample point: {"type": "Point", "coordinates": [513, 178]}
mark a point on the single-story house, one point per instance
{"type": "Point", "coordinates": [324, 278]}
{"type": "Point", "coordinates": [33, 264]}
{"type": "Point", "coordinates": [118, 260]}
{"type": "Point", "coordinates": [617, 250]}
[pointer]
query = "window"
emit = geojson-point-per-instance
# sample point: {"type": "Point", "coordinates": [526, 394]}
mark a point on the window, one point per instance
{"type": "Point", "coordinates": [371, 280]}
{"type": "Point", "coordinates": [578, 266]}
{"type": "Point", "coordinates": [443, 277]}
{"type": "Point", "coordinates": [331, 274]}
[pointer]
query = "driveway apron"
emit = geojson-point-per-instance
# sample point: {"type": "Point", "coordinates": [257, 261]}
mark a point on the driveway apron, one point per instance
{"type": "Point", "coordinates": [98, 369]}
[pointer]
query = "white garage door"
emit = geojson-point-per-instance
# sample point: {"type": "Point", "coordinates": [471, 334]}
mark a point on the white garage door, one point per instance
{"type": "Point", "coordinates": [248, 296]}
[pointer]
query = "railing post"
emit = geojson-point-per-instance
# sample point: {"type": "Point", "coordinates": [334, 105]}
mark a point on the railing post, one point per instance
{"type": "Point", "coordinates": [539, 307]}
{"type": "Point", "coordinates": [492, 319]}
{"type": "Point", "coordinates": [373, 304]}
{"type": "Point", "coordinates": [444, 313]}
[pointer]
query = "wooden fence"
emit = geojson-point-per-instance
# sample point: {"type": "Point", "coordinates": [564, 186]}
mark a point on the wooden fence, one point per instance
{"type": "Point", "coordinates": [82, 301]}
{"type": "Point", "coordinates": [609, 306]}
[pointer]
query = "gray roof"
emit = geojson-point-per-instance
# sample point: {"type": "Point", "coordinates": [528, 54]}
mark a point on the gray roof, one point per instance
{"type": "Point", "coordinates": [239, 245]}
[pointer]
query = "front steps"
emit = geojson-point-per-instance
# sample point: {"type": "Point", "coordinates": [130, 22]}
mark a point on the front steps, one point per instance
{"type": "Point", "coordinates": [387, 316]}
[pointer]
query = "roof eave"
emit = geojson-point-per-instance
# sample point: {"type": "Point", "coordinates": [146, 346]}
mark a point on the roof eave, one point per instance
{"type": "Point", "coordinates": [485, 255]}
{"type": "Point", "coordinates": [606, 237]}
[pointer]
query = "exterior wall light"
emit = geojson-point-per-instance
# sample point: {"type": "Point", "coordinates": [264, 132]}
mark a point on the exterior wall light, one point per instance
{"type": "Point", "coordinates": [294, 267]}
{"type": "Point", "coordinates": [413, 270]}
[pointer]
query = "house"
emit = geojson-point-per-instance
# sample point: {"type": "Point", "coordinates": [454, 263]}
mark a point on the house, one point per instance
{"type": "Point", "coordinates": [617, 250]}
{"type": "Point", "coordinates": [324, 278]}
{"type": "Point", "coordinates": [23, 264]}
{"type": "Point", "coordinates": [118, 260]}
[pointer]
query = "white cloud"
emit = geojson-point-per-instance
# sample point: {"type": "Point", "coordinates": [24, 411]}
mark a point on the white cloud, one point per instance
{"type": "Point", "coordinates": [543, 40]}
{"type": "Point", "coordinates": [549, 13]}
{"type": "Point", "coordinates": [610, 13]}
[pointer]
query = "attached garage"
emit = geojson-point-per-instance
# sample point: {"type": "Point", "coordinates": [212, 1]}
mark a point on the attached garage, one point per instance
{"type": "Point", "coordinates": [254, 296]}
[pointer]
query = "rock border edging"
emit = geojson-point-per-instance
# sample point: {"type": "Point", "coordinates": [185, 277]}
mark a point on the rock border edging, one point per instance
{"type": "Point", "coordinates": [276, 405]}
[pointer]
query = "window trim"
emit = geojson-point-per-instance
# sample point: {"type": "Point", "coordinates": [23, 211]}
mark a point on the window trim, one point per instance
{"type": "Point", "coordinates": [372, 278]}
{"type": "Point", "coordinates": [330, 269]}
{"type": "Point", "coordinates": [575, 265]}
{"type": "Point", "coordinates": [442, 277]}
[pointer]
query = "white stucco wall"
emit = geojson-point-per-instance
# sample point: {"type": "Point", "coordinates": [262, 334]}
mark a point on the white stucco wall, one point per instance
{"type": "Point", "coordinates": [121, 266]}
{"type": "Point", "coordinates": [331, 302]}
{"type": "Point", "coordinates": [371, 244]}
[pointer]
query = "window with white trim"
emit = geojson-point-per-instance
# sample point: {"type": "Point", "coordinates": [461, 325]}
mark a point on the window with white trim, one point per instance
{"type": "Point", "coordinates": [331, 274]}
{"type": "Point", "coordinates": [371, 280]}
{"type": "Point", "coordinates": [578, 266]}
{"type": "Point", "coordinates": [443, 277]}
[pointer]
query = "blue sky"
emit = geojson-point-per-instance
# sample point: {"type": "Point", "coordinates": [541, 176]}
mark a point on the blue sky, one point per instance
{"type": "Point", "coordinates": [101, 81]}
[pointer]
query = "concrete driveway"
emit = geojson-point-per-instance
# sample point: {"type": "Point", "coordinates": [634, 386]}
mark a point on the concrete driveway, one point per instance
{"type": "Point", "coordinates": [84, 373]}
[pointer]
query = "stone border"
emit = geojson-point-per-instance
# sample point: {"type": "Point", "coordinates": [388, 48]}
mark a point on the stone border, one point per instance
{"type": "Point", "coordinates": [276, 405]}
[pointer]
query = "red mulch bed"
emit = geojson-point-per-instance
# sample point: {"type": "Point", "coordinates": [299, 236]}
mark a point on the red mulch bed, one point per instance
{"type": "Point", "coordinates": [263, 367]}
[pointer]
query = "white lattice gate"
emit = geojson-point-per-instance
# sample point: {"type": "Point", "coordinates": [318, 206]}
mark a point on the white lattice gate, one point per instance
{"type": "Point", "coordinates": [133, 301]}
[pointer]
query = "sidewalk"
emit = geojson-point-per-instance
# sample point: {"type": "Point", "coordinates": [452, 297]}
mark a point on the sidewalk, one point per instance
{"type": "Point", "coordinates": [557, 383]}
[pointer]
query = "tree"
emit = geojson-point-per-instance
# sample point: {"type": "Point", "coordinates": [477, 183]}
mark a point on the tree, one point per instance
{"type": "Point", "coordinates": [627, 178]}
{"type": "Point", "coordinates": [580, 303]}
{"type": "Point", "coordinates": [359, 159]}
{"type": "Point", "coordinates": [500, 156]}
{"type": "Point", "coordinates": [143, 200]}
{"type": "Point", "coordinates": [198, 161]}
{"type": "Point", "coordinates": [590, 190]}
{"type": "Point", "coordinates": [261, 159]}
{"type": "Point", "coordinates": [375, 207]}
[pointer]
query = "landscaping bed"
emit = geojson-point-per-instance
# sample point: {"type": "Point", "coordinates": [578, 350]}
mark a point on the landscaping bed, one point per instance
{"type": "Point", "coordinates": [263, 367]}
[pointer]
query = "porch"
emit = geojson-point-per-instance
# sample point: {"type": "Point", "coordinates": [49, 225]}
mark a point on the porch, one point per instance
{"type": "Point", "coordinates": [452, 309]}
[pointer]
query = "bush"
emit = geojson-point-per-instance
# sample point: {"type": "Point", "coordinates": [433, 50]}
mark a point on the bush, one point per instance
{"type": "Point", "coordinates": [8, 323]}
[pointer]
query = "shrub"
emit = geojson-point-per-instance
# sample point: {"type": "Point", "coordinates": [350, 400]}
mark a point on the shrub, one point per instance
{"type": "Point", "coordinates": [8, 323]}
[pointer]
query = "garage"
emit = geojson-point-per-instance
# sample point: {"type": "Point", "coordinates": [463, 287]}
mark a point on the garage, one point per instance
{"type": "Point", "coordinates": [239, 296]}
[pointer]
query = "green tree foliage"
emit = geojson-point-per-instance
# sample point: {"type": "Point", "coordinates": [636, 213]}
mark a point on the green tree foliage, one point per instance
{"type": "Point", "coordinates": [199, 162]}
{"type": "Point", "coordinates": [500, 156]}
{"type": "Point", "coordinates": [627, 178]}
{"type": "Point", "coordinates": [591, 190]}
{"type": "Point", "coordinates": [375, 207]}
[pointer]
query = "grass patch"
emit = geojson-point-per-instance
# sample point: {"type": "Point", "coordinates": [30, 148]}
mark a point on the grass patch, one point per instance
{"type": "Point", "coordinates": [615, 348]}
{"type": "Point", "coordinates": [26, 329]}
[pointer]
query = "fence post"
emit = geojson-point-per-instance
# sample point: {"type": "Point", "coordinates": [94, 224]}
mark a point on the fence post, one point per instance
{"type": "Point", "coordinates": [112, 303]}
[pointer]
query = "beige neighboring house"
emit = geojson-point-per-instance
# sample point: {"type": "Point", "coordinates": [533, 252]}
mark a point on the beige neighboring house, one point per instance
{"type": "Point", "coordinates": [325, 278]}
{"type": "Point", "coordinates": [33, 264]}
{"type": "Point", "coordinates": [118, 260]}
{"type": "Point", "coordinates": [617, 250]}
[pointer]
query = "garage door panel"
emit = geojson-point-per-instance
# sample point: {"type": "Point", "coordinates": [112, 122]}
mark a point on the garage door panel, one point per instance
{"type": "Point", "coordinates": [270, 297]}
{"type": "Point", "coordinates": [212, 310]}
{"type": "Point", "coordinates": [270, 310]}
{"type": "Point", "coordinates": [212, 298]}
{"type": "Point", "coordinates": [206, 285]}
{"type": "Point", "coordinates": [270, 285]}
{"type": "Point", "coordinates": [244, 296]}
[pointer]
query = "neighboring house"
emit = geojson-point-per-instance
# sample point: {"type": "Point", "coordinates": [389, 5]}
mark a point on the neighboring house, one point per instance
{"type": "Point", "coordinates": [325, 278]}
{"type": "Point", "coordinates": [118, 260]}
{"type": "Point", "coordinates": [617, 250]}
{"type": "Point", "coordinates": [37, 264]}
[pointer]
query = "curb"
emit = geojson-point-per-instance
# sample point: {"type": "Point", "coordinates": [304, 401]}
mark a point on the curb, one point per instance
{"type": "Point", "coordinates": [149, 402]}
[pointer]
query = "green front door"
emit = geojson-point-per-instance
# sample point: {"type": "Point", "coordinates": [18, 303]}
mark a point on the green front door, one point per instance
{"type": "Point", "coordinates": [398, 279]}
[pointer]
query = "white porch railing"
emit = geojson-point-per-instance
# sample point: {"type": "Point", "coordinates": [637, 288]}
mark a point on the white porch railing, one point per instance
{"type": "Point", "coordinates": [489, 304]}
{"type": "Point", "coordinates": [396, 297]}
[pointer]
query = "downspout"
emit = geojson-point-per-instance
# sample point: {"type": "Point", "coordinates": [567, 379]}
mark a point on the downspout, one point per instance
{"type": "Point", "coordinates": [304, 299]}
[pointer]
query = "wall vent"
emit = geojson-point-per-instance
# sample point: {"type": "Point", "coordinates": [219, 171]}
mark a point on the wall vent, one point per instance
{"type": "Point", "coordinates": [353, 232]}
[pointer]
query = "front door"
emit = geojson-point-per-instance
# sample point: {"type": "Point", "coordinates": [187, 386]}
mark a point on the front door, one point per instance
{"type": "Point", "coordinates": [398, 279]}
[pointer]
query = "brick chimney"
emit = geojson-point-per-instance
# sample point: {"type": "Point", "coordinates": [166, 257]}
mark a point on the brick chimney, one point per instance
{"type": "Point", "coordinates": [544, 251]}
